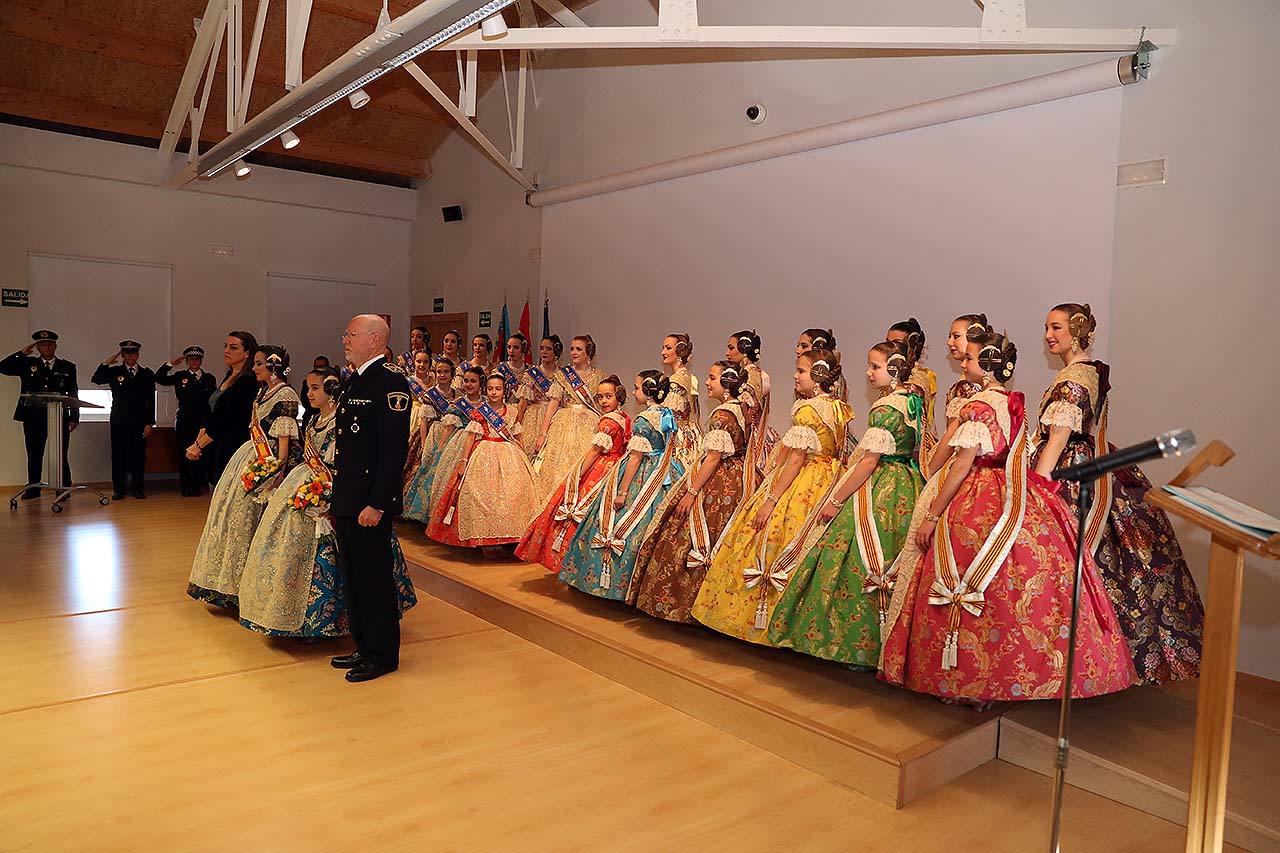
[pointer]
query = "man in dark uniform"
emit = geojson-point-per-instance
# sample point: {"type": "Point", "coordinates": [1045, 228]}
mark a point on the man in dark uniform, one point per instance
{"type": "Point", "coordinates": [372, 443]}
{"type": "Point", "coordinates": [192, 387]}
{"type": "Point", "coordinates": [48, 373]}
{"type": "Point", "coordinates": [133, 413]}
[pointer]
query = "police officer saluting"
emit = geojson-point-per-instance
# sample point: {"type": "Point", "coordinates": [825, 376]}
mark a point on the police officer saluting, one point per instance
{"type": "Point", "coordinates": [372, 443]}
{"type": "Point", "coordinates": [193, 388]}
{"type": "Point", "coordinates": [43, 373]}
{"type": "Point", "coordinates": [133, 413]}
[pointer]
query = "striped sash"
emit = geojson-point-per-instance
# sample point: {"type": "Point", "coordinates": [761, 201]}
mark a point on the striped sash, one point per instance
{"type": "Point", "coordinates": [615, 528]}
{"type": "Point", "coordinates": [1096, 520]}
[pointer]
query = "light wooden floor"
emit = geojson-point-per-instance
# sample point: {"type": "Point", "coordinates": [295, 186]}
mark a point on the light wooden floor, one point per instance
{"type": "Point", "coordinates": [133, 718]}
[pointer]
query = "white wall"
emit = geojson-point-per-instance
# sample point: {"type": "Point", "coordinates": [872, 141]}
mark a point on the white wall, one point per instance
{"type": "Point", "coordinates": [1194, 303]}
{"type": "Point", "coordinates": [87, 198]}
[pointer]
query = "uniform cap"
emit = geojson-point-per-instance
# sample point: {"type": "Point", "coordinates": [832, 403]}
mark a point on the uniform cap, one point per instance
{"type": "Point", "coordinates": [193, 352]}
{"type": "Point", "coordinates": [44, 335]}
{"type": "Point", "coordinates": [130, 346]}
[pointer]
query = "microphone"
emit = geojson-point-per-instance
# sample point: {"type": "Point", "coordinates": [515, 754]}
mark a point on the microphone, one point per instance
{"type": "Point", "coordinates": [1173, 443]}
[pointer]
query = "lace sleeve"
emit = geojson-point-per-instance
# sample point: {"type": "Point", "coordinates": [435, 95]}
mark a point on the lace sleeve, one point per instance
{"type": "Point", "coordinates": [720, 441]}
{"type": "Point", "coordinates": [974, 434]}
{"type": "Point", "coordinates": [878, 440]}
{"type": "Point", "coordinates": [640, 444]}
{"type": "Point", "coordinates": [284, 427]}
{"type": "Point", "coordinates": [475, 428]}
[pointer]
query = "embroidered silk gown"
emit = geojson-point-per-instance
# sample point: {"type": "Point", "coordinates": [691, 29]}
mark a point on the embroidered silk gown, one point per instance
{"type": "Point", "coordinates": [925, 383]}
{"type": "Point", "coordinates": [292, 586]}
{"type": "Point", "coordinates": [831, 608]}
{"type": "Point", "coordinates": [750, 568]}
{"type": "Point", "coordinates": [494, 499]}
{"type": "Point", "coordinates": [983, 614]}
{"type": "Point", "coordinates": [422, 413]}
{"type": "Point", "coordinates": [959, 394]}
{"type": "Point", "coordinates": [417, 494]}
{"type": "Point", "coordinates": [534, 411]}
{"type": "Point", "coordinates": [669, 568]}
{"type": "Point", "coordinates": [1138, 553]}
{"type": "Point", "coordinates": [601, 556]}
{"type": "Point", "coordinates": [545, 539]}
{"type": "Point", "coordinates": [683, 403]}
{"type": "Point", "coordinates": [571, 430]}
{"type": "Point", "coordinates": [233, 512]}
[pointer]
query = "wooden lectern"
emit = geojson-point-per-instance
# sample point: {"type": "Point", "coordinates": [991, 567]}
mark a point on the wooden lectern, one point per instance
{"type": "Point", "coordinates": [1215, 703]}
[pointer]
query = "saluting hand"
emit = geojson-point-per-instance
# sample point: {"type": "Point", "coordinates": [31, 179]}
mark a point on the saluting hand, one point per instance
{"type": "Point", "coordinates": [29, 348]}
{"type": "Point", "coordinates": [113, 358]}
{"type": "Point", "coordinates": [175, 361]}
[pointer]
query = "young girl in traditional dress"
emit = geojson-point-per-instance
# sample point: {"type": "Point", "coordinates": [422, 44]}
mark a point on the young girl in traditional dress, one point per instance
{"type": "Point", "coordinates": [421, 380]}
{"type": "Point", "coordinates": [453, 438]}
{"type": "Point", "coordinates": [1137, 551]}
{"type": "Point", "coordinates": [532, 393]}
{"type": "Point", "coordinates": [451, 349]}
{"type": "Point", "coordinates": [569, 422]}
{"type": "Point", "coordinates": [982, 605]}
{"type": "Point", "coordinates": [481, 352]}
{"type": "Point", "coordinates": [545, 539]}
{"type": "Point", "coordinates": [291, 586]}
{"type": "Point", "coordinates": [922, 379]}
{"type": "Point", "coordinates": [822, 339]}
{"type": "Point", "coordinates": [246, 483]}
{"type": "Point", "coordinates": [961, 391]}
{"type": "Point", "coordinates": [601, 556]}
{"type": "Point", "coordinates": [744, 351]}
{"type": "Point", "coordinates": [760, 546]}
{"type": "Point", "coordinates": [833, 605]}
{"type": "Point", "coordinates": [489, 498]}
{"type": "Point", "coordinates": [683, 399]}
{"type": "Point", "coordinates": [672, 561]}
{"type": "Point", "coordinates": [513, 371]}
{"type": "Point", "coordinates": [417, 497]}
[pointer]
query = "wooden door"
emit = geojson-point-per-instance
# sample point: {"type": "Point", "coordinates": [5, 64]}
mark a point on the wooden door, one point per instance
{"type": "Point", "coordinates": [437, 325]}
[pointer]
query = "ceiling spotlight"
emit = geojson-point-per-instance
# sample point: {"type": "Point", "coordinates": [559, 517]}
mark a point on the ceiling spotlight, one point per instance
{"type": "Point", "coordinates": [493, 27]}
{"type": "Point", "coordinates": [358, 99]}
{"type": "Point", "coordinates": [289, 139]}
{"type": "Point", "coordinates": [243, 169]}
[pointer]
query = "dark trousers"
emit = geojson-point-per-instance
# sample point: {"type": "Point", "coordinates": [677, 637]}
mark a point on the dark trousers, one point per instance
{"type": "Point", "coordinates": [364, 553]}
{"type": "Point", "coordinates": [36, 432]}
{"type": "Point", "coordinates": [191, 474]}
{"type": "Point", "coordinates": [128, 455]}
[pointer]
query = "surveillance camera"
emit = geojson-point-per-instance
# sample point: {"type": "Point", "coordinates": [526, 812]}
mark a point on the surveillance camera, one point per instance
{"type": "Point", "coordinates": [756, 113]}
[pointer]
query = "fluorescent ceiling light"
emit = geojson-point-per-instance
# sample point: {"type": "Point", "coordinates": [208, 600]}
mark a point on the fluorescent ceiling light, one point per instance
{"type": "Point", "coordinates": [425, 26]}
{"type": "Point", "coordinates": [289, 140]}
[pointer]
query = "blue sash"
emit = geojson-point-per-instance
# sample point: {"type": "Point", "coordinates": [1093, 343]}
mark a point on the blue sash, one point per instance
{"type": "Point", "coordinates": [508, 375]}
{"type": "Point", "coordinates": [540, 379]}
{"type": "Point", "coordinates": [579, 387]}
{"type": "Point", "coordinates": [437, 398]}
{"type": "Point", "coordinates": [496, 422]}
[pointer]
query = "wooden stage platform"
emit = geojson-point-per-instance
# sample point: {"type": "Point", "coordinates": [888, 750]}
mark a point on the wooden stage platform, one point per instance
{"type": "Point", "coordinates": [886, 743]}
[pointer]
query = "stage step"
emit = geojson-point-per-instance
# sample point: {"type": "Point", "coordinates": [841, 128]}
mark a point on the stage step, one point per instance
{"type": "Point", "coordinates": [1135, 748]}
{"type": "Point", "coordinates": [886, 743]}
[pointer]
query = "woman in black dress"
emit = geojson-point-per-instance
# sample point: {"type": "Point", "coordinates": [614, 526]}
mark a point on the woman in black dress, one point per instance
{"type": "Point", "coordinates": [231, 406]}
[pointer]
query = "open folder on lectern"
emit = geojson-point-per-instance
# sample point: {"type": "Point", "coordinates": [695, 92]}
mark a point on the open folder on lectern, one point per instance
{"type": "Point", "coordinates": [1230, 511]}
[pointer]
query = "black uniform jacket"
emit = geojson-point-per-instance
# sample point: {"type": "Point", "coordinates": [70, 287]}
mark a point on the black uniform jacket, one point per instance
{"type": "Point", "coordinates": [37, 376]}
{"type": "Point", "coordinates": [373, 441]}
{"type": "Point", "coordinates": [193, 394]}
{"type": "Point", "coordinates": [133, 398]}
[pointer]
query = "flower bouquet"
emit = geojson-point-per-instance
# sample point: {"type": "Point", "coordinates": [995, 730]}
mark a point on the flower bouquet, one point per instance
{"type": "Point", "coordinates": [258, 472]}
{"type": "Point", "coordinates": [313, 493]}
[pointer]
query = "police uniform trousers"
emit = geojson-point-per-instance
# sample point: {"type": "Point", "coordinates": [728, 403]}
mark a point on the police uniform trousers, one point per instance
{"type": "Point", "coordinates": [36, 432]}
{"type": "Point", "coordinates": [191, 473]}
{"type": "Point", "coordinates": [365, 555]}
{"type": "Point", "coordinates": [128, 455]}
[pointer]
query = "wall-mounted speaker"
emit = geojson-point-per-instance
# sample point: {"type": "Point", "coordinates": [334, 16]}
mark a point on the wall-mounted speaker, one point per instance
{"type": "Point", "coordinates": [452, 213]}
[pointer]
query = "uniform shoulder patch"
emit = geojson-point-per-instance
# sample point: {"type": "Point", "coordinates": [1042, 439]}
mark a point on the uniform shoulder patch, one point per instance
{"type": "Point", "coordinates": [394, 368]}
{"type": "Point", "coordinates": [397, 401]}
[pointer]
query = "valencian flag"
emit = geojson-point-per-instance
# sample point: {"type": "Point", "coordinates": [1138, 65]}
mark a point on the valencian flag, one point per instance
{"type": "Point", "coordinates": [524, 330]}
{"type": "Point", "coordinates": [504, 330]}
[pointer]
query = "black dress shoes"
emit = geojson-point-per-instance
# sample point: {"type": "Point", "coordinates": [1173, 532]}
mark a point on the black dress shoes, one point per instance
{"type": "Point", "coordinates": [346, 661]}
{"type": "Point", "coordinates": [117, 496]}
{"type": "Point", "coordinates": [367, 671]}
{"type": "Point", "coordinates": [139, 494]}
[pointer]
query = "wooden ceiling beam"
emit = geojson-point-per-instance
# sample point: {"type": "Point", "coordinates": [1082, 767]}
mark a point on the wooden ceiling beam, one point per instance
{"type": "Point", "coordinates": [98, 117]}
{"type": "Point", "coordinates": [365, 11]}
{"type": "Point", "coordinates": [35, 25]}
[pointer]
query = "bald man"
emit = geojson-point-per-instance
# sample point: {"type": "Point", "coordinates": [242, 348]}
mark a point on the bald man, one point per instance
{"type": "Point", "coordinates": [373, 441]}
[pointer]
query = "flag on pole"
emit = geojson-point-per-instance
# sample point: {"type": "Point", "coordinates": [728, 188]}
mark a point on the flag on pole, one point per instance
{"type": "Point", "coordinates": [504, 330]}
{"type": "Point", "coordinates": [546, 316]}
{"type": "Point", "coordinates": [524, 330]}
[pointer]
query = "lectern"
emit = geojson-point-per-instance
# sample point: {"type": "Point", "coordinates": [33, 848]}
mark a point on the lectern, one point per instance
{"type": "Point", "coordinates": [54, 448]}
{"type": "Point", "coordinates": [1215, 703]}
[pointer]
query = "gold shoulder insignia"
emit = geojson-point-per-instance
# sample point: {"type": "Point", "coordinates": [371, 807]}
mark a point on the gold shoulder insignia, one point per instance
{"type": "Point", "coordinates": [394, 368]}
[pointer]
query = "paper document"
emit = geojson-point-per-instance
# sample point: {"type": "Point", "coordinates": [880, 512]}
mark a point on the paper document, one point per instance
{"type": "Point", "coordinates": [1240, 516]}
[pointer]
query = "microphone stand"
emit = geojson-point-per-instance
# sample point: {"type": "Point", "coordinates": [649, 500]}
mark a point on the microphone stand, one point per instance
{"type": "Point", "coordinates": [1064, 716]}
